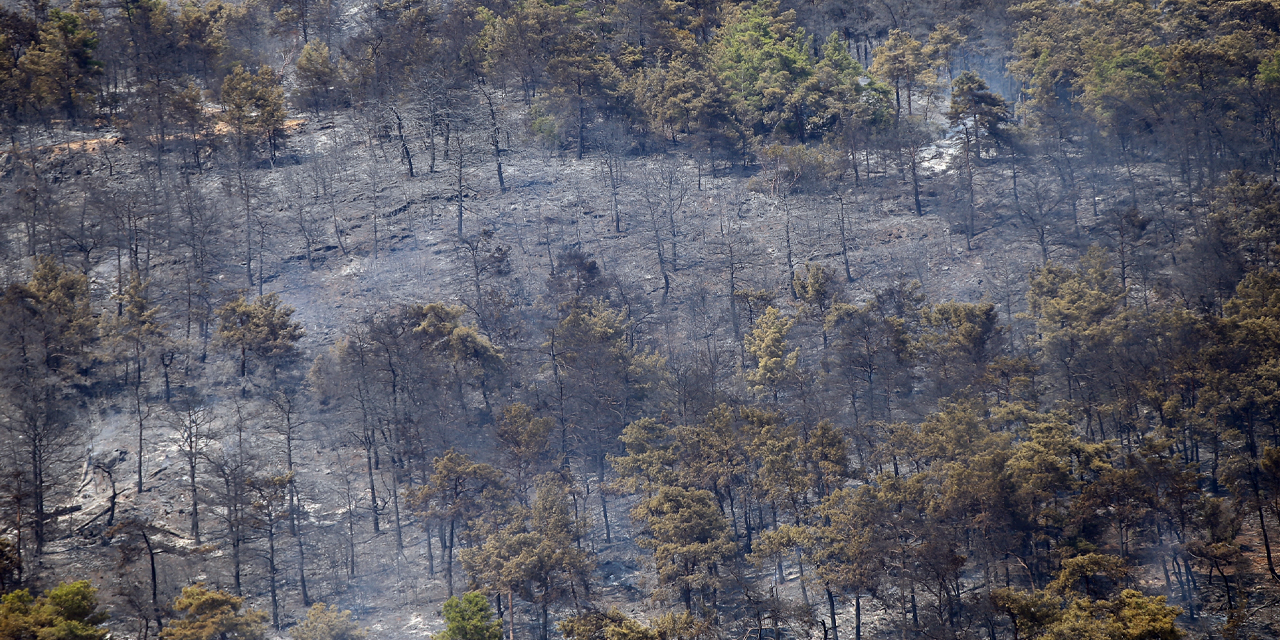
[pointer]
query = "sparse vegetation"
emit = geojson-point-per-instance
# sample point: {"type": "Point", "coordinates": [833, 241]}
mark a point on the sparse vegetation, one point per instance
{"type": "Point", "coordinates": [639, 320]}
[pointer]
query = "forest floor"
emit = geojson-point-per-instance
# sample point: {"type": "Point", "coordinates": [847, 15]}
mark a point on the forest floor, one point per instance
{"type": "Point", "coordinates": [553, 202]}
{"type": "Point", "coordinates": [401, 247]}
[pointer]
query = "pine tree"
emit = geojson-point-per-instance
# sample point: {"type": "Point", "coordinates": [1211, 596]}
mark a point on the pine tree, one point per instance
{"type": "Point", "coordinates": [900, 61]}
{"type": "Point", "coordinates": [61, 68]}
{"type": "Point", "coordinates": [775, 361]}
{"type": "Point", "coordinates": [466, 498]}
{"type": "Point", "coordinates": [327, 623]}
{"type": "Point", "coordinates": [690, 539]}
{"type": "Point", "coordinates": [135, 334]}
{"type": "Point", "coordinates": [526, 444]}
{"type": "Point", "coordinates": [264, 328]}
{"type": "Point", "coordinates": [470, 618]}
{"type": "Point", "coordinates": [318, 78]}
{"type": "Point", "coordinates": [68, 611]}
{"type": "Point", "coordinates": [47, 335]}
{"type": "Point", "coordinates": [764, 61]}
{"type": "Point", "coordinates": [213, 615]}
{"type": "Point", "coordinates": [253, 108]}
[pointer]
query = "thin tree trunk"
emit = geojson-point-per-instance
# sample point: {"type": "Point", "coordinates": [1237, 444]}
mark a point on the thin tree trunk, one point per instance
{"type": "Point", "coordinates": [373, 491]}
{"type": "Point", "coordinates": [448, 566]}
{"type": "Point", "coordinates": [495, 137]}
{"type": "Point", "coordinates": [791, 266]}
{"type": "Point", "coordinates": [844, 245]}
{"type": "Point", "coordinates": [857, 616]}
{"type": "Point", "coordinates": [155, 599]}
{"type": "Point", "coordinates": [302, 571]}
{"type": "Point", "coordinates": [195, 500]}
{"type": "Point", "coordinates": [915, 185]}
{"type": "Point", "coordinates": [431, 556]}
{"type": "Point", "coordinates": [831, 606]}
{"type": "Point", "coordinates": [604, 502]}
{"type": "Point", "coordinates": [404, 144]}
{"type": "Point", "coordinates": [395, 507]}
{"type": "Point", "coordinates": [1266, 539]}
{"type": "Point", "coordinates": [271, 573]}
{"type": "Point", "coordinates": [137, 407]}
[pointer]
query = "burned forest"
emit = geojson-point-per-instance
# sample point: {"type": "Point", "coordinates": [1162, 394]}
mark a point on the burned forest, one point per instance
{"type": "Point", "coordinates": [639, 319]}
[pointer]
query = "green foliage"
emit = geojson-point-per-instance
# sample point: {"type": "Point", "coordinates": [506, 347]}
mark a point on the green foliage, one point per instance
{"type": "Point", "coordinates": [979, 110]}
{"type": "Point", "coordinates": [711, 455]}
{"type": "Point", "coordinates": [604, 625]}
{"type": "Point", "coordinates": [1125, 91]}
{"type": "Point", "coordinates": [689, 537]}
{"type": "Point", "coordinates": [264, 328]}
{"type": "Point", "coordinates": [319, 82]}
{"type": "Point", "coordinates": [1269, 70]}
{"type": "Point", "coordinates": [1247, 208]}
{"type": "Point", "coordinates": [581, 82]}
{"type": "Point", "coordinates": [57, 298]}
{"type": "Point", "coordinates": [1059, 612]}
{"type": "Point", "coordinates": [873, 348]}
{"type": "Point", "coordinates": [463, 346]}
{"type": "Point", "coordinates": [592, 340]}
{"type": "Point", "coordinates": [775, 360]}
{"type": "Point", "coordinates": [538, 554]}
{"type": "Point", "coordinates": [944, 45]}
{"type": "Point", "coordinates": [519, 44]}
{"type": "Point", "coordinates": [763, 59]}
{"type": "Point", "coordinates": [470, 618]}
{"type": "Point", "coordinates": [10, 564]}
{"type": "Point", "coordinates": [682, 98]}
{"type": "Point", "coordinates": [816, 288]}
{"type": "Point", "coordinates": [60, 69]}
{"type": "Point", "coordinates": [525, 439]}
{"type": "Point", "coordinates": [12, 96]}
{"type": "Point", "coordinates": [901, 62]}
{"type": "Point", "coordinates": [1076, 309]}
{"type": "Point", "coordinates": [799, 168]}
{"type": "Point", "coordinates": [68, 611]}
{"type": "Point", "coordinates": [962, 331]}
{"type": "Point", "coordinates": [826, 452]}
{"type": "Point", "coordinates": [463, 492]}
{"type": "Point", "coordinates": [776, 447]}
{"type": "Point", "coordinates": [684, 625]}
{"type": "Point", "coordinates": [845, 109]}
{"type": "Point", "coordinates": [47, 356]}
{"type": "Point", "coordinates": [253, 108]}
{"type": "Point", "coordinates": [959, 340]}
{"type": "Point", "coordinates": [915, 447]}
{"type": "Point", "coordinates": [650, 459]}
{"type": "Point", "coordinates": [844, 544]}
{"type": "Point", "coordinates": [135, 331]}
{"type": "Point", "coordinates": [1142, 75]}
{"type": "Point", "coordinates": [213, 615]}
